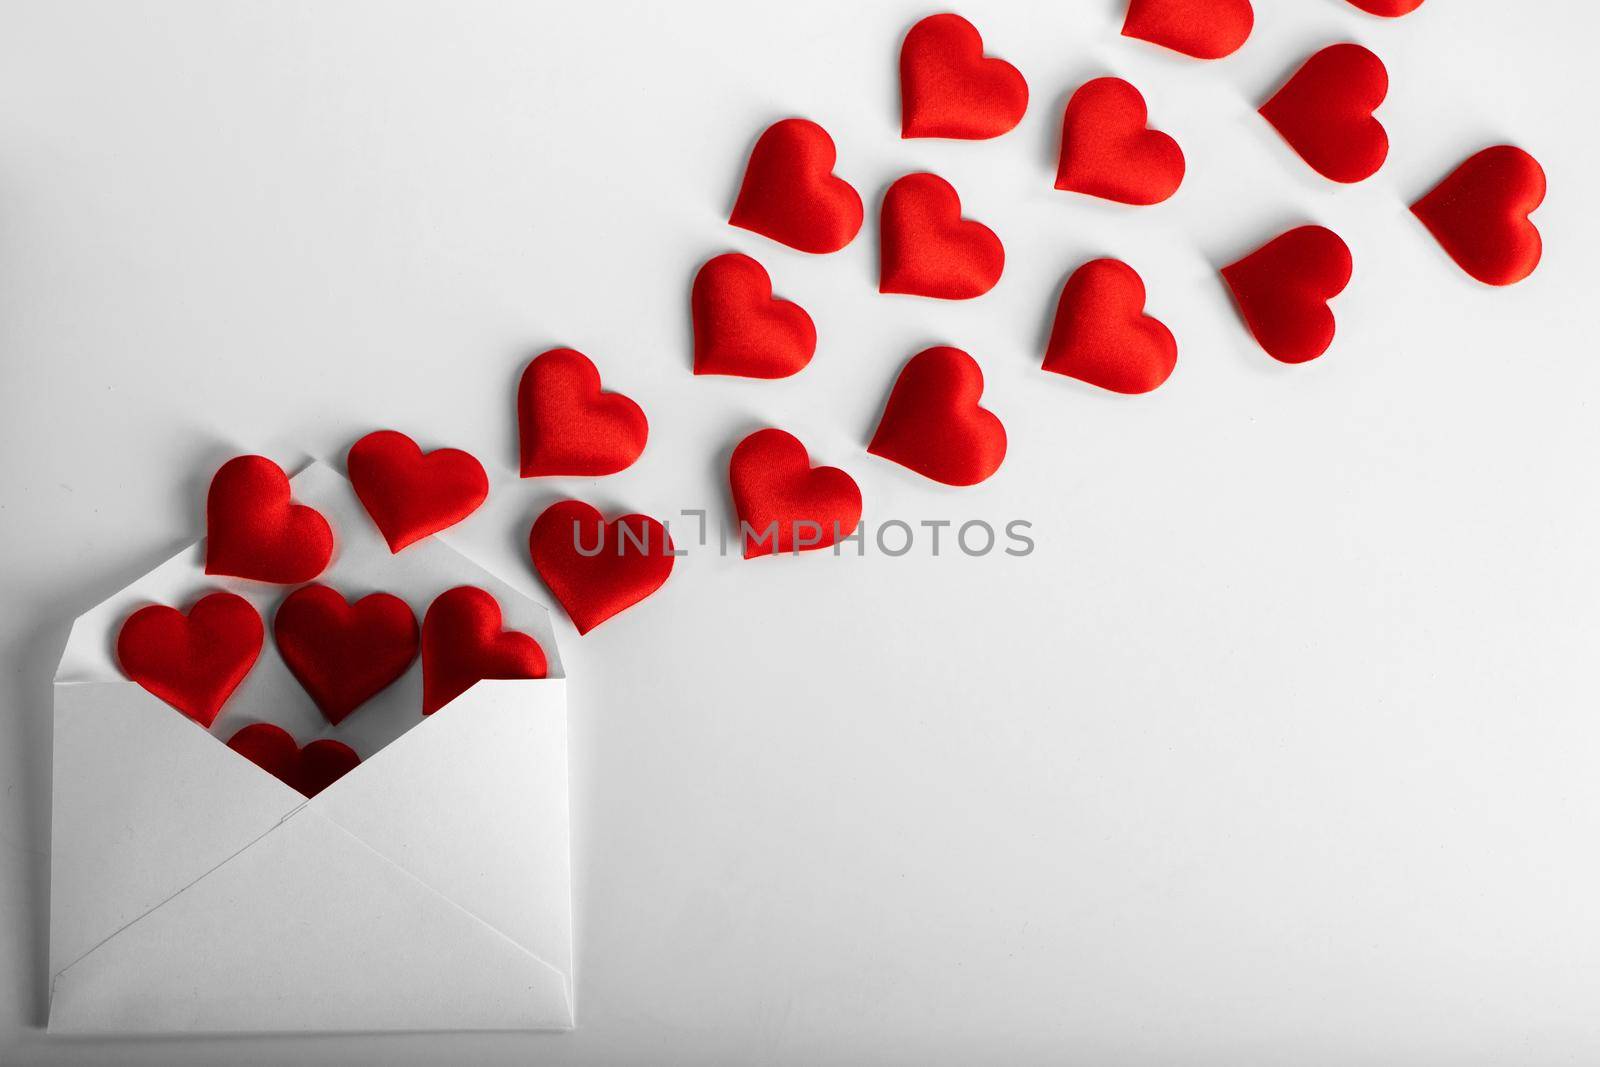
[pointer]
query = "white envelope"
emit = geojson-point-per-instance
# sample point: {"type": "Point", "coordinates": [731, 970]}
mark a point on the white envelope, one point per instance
{"type": "Point", "coordinates": [428, 889]}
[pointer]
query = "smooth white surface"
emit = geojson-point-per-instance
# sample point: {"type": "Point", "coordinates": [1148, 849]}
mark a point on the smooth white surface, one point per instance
{"type": "Point", "coordinates": [1281, 747]}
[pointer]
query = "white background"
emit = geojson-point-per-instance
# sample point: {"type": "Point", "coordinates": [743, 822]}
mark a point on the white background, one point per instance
{"type": "Point", "coordinates": [1282, 748]}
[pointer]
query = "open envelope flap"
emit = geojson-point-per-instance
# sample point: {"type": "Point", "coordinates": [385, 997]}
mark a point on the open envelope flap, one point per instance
{"type": "Point", "coordinates": [308, 929]}
{"type": "Point", "coordinates": [473, 802]}
{"type": "Point", "coordinates": [145, 802]}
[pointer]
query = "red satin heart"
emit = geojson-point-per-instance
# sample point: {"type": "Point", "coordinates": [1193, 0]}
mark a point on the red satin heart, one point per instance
{"type": "Point", "coordinates": [1283, 289]}
{"type": "Point", "coordinates": [928, 249]}
{"type": "Point", "coordinates": [784, 504]}
{"type": "Point", "coordinates": [791, 194]}
{"type": "Point", "coordinates": [1107, 149]}
{"type": "Point", "coordinates": [309, 770]}
{"type": "Point", "coordinates": [933, 424]}
{"type": "Point", "coordinates": [253, 531]}
{"type": "Point", "coordinates": [463, 644]}
{"type": "Point", "coordinates": [192, 661]}
{"type": "Point", "coordinates": [949, 88]}
{"type": "Point", "coordinates": [740, 328]}
{"type": "Point", "coordinates": [1204, 29]}
{"type": "Point", "coordinates": [1479, 214]}
{"type": "Point", "coordinates": [1389, 9]}
{"type": "Point", "coordinates": [1325, 112]}
{"type": "Point", "coordinates": [595, 568]}
{"type": "Point", "coordinates": [1102, 335]}
{"type": "Point", "coordinates": [569, 426]}
{"type": "Point", "coordinates": [344, 654]}
{"type": "Point", "coordinates": [411, 495]}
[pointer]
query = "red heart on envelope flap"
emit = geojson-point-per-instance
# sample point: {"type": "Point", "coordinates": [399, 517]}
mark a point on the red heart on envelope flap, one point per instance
{"type": "Point", "coordinates": [1479, 214]}
{"type": "Point", "coordinates": [192, 661]}
{"type": "Point", "coordinates": [928, 249]}
{"type": "Point", "coordinates": [740, 328]}
{"type": "Point", "coordinates": [463, 644]}
{"type": "Point", "coordinates": [1389, 9]}
{"type": "Point", "coordinates": [309, 770]}
{"type": "Point", "coordinates": [1325, 112]}
{"type": "Point", "coordinates": [344, 654]}
{"type": "Point", "coordinates": [785, 504]}
{"type": "Point", "coordinates": [791, 194]}
{"type": "Point", "coordinates": [595, 568]}
{"type": "Point", "coordinates": [254, 531]}
{"type": "Point", "coordinates": [569, 426]}
{"type": "Point", "coordinates": [949, 88]}
{"type": "Point", "coordinates": [1204, 29]}
{"type": "Point", "coordinates": [932, 422]}
{"type": "Point", "coordinates": [411, 495]}
{"type": "Point", "coordinates": [1109, 151]}
{"type": "Point", "coordinates": [1283, 289]}
{"type": "Point", "coordinates": [1102, 335]}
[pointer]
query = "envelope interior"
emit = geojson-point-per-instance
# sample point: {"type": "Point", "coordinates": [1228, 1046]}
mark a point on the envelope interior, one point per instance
{"type": "Point", "coordinates": [362, 564]}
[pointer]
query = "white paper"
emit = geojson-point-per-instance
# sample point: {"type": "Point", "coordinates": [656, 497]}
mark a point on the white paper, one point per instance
{"type": "Point", "coordinates": [429, 889]}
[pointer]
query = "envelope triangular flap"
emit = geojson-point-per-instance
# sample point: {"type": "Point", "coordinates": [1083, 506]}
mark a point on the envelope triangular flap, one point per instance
{"type": "Point", "coordinates": [308, 930]}
{"type": "Point", "coordinates": [145, 802]}
{"type": "Point", "coordinates": [473, 802]}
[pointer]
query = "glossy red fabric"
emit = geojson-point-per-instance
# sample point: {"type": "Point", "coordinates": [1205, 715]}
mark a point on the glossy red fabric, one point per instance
{"type": "Point", "coordinates": [1389, 9]}
{"type": "Point", "coordinates": [1479, 214]}
{"type": "Point", "coordinates": [740, 328]}
{"type": "Point", "coordinates": [949, 88]}
{"type": "Point", "coordinates": [254, 531]}
{"type": "Point", "coordinates": [569, 426]}
{"type": "Point", "coordinates": [594, 568]}
{"type": "Point", "coordinates": [309, 770]}
{"type": "Point", "coordinates": [1283, 289]}
{"type": "Point", "coordinates": [411, 495]}
{"type": "Point", "coordinates": [784, 504]}
{"type": "Point", "coordinates": [1204, 29]}
{"type": "Point", "coordinates": [462, 644]}
{"type": "Point", "coordinates": [1102, 335]}
{"type": "Point", "coordinates": [192, 661]}
{"type": "Point", "coordinates": [933, 424]}
{"type": "Point", "coordinates": [344, 654]}
{"type": "Point", "coordinates": [928, 249]}
{"type": "Point", "coordinates": [791, 194]}
{"type": "Point", "coordinates": [1108, 150]}
{"type": "Point", "coordinates": [1325, 112]}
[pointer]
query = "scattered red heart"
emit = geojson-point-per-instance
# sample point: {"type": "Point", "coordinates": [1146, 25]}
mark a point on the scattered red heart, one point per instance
{"type": "Point", "coordinates": [928, 249]}
{"type": "Point", "coordinates": [1109, 151]}
{"type": "Point", "coordinates": [1204, 29]}
{"type": "Point", "coordinates": [784, 504]}
{"type": "Point", "coordinates": [309, 770]}
{"type": "Point", "coordinates": [1283, 289]}
{"type": "Point", "coordinates": [1479, 215]}
{"type": "Point", "coordinates": [1325, 112]}
{"type": "Point", "coordinates": [463, 644]}
{"type": "Point", "coordinates": [791, 194]}
{"type": "Point", "coordinates": [595, 568]}
{"type": "Point", "coordinates": [933, 424]}
{"type": "Point", "coordinates": [1102, 335]}
{"type": "Point", "coordinates": [344, 654]}
{"type": "Point", "coordinates": [949, 88]}
{"type": "Point", "coordinates": [254, 531]}
{"type": "Point", "coordinates": [1389, 9]}
{"type": "Point", "coordinates": [740, 328]}
{"type": "Point", "coordinates": [569, 425]}
{"type": "Point", "coordinates": [195, 660]}
{"type": "Point", "coordinates": [411, 495]}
